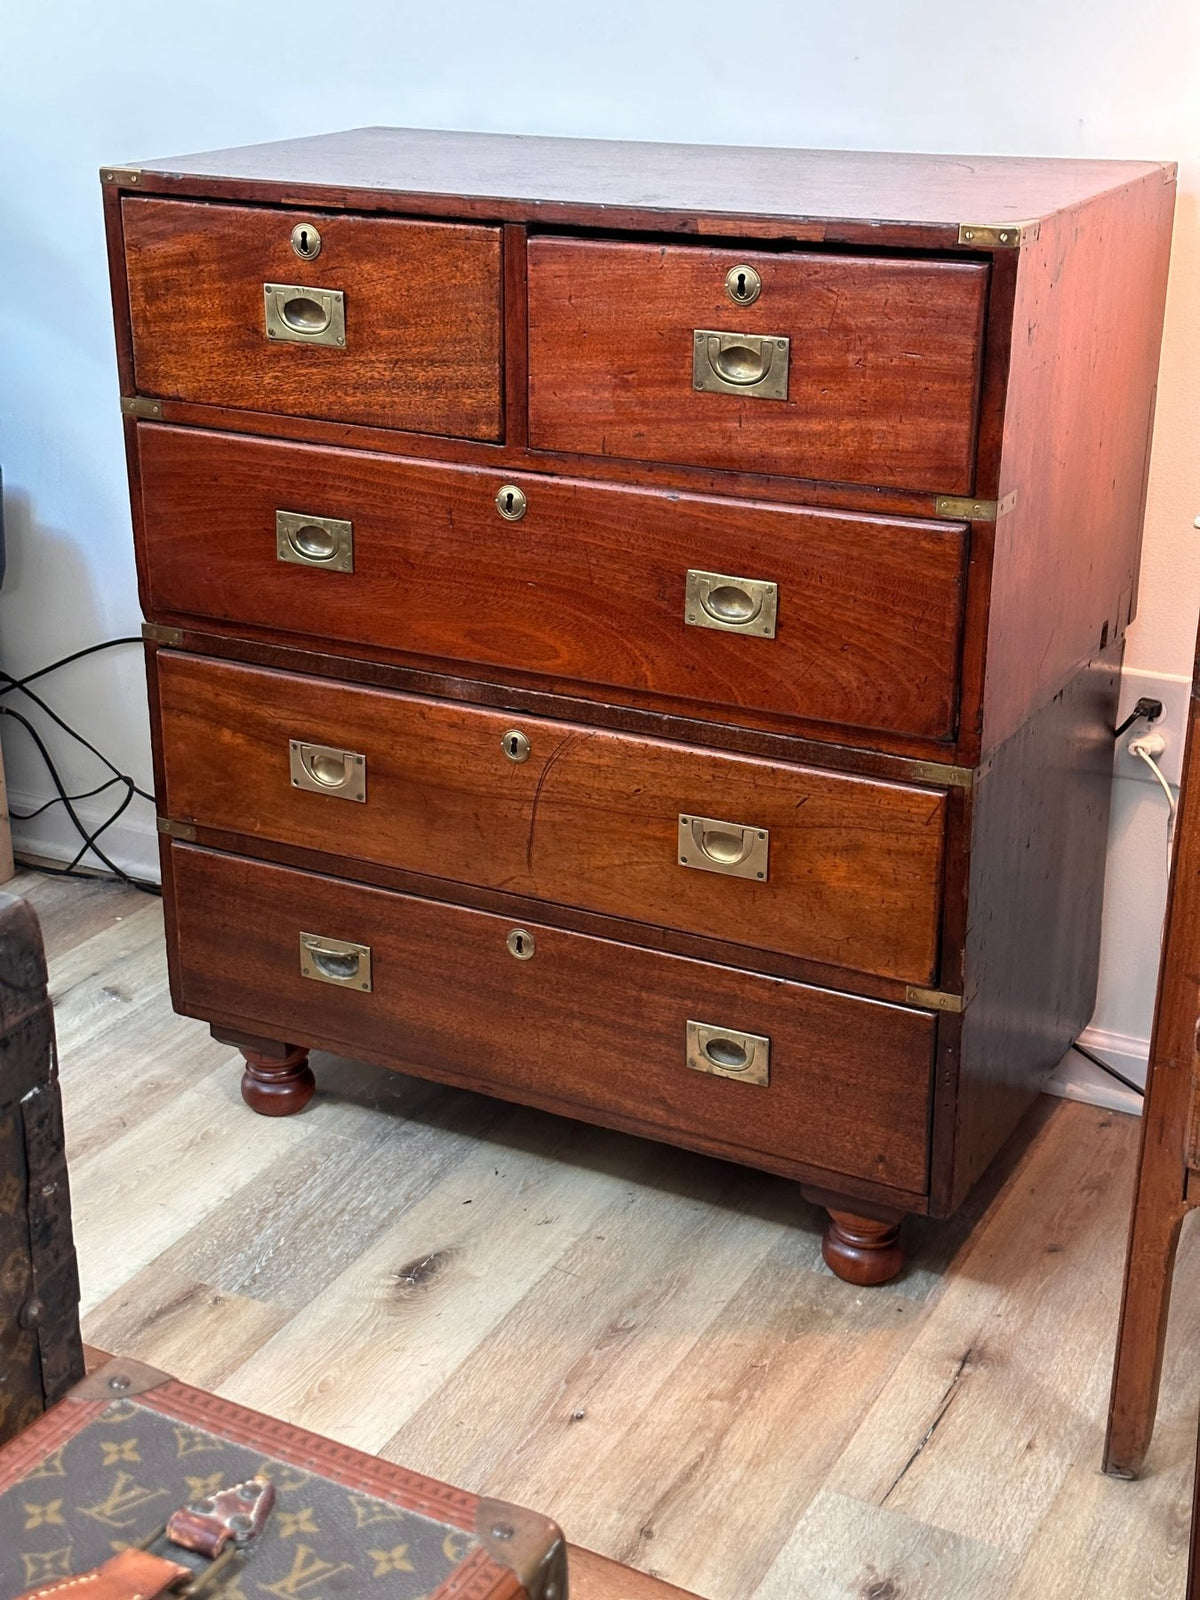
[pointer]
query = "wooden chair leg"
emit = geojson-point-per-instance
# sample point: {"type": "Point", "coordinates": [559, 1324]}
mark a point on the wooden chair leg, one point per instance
{"type": "Point", "coordinates": [1153, 1241]}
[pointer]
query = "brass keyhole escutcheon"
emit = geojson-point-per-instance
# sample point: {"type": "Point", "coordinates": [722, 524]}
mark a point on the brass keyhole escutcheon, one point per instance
{"type": "Point", "coordinates": [306, 241]}
{"type": "Point", "coordinates": [743, 285]}
{"type": "Point", "coordinates": [515, 745]}
{"type": "Point", "coordinates": [511, 502]}
{"type": "Point", "coordinates": [521, 944]}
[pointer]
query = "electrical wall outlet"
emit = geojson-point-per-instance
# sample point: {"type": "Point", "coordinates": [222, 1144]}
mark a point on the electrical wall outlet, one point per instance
{"type": "Point", "coordinates": [1175, 694]}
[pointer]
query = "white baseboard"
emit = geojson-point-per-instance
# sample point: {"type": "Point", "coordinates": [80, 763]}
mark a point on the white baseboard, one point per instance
{"type": "Point", "coordinates": [1130, 1056]}
{"type": "Point", "coordinates": [131, 843]}
{"type": "Point", "coordinates": [1078, 1078]}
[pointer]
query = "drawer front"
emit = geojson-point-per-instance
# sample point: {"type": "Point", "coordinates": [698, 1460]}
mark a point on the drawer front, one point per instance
{"type": "Point", "coordinates": [591, 585]}
{"type": "Point", "coordinates": [420, 307]}
{"type": "Point", "coordinates": [585, 1025]}
{"type": "Point", "coordinates": [882, 361]}
{"type": "Point", "coordinates": [851, 868]}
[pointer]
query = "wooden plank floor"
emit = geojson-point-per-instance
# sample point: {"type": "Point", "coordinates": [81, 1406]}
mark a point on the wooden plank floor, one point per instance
{"type": "Point", "coordinates": [642, 1342]}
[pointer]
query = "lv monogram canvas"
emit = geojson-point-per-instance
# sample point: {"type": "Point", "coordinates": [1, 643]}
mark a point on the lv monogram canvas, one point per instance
{"type": "Point", "coordinates": [108, 1467]}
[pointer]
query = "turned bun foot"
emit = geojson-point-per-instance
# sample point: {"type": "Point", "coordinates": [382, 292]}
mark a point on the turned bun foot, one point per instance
{"type": "Point", "coordinates": [277, 1085]}
{"type": "Point", "coordinates": [861, 1250]}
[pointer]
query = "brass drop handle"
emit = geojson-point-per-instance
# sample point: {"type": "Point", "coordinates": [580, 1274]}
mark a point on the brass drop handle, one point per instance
{"type": "Point", "coordinates": [755, 364]}
{"type": "Point", "coordinates": [310, 541]}
{"type": "Point", "coordinates": [730, 604]}
{"type": "Point", "coordinates": [740, 850]}
{"type": "Point", "coordinates": [298, 314]}
{"type": "Point", "coordinates": [744, 363]}
{"type": "Point", "coordinates": [729, 1053]}
{"type": "Point", "coordinates": [324, 769]}
{"type": "Point", "coordinates": [336, 964]}
{"type": "Point", "coordinates": [335, 961]}
{"type": "Point", "coordinates": [728, 847]}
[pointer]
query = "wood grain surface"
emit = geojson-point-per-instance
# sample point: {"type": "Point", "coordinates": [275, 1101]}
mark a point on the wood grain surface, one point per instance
{"type": "Point", "coordinates": [422, 315]}
{"type": "Point", "coordinates": [587, 1026]}
{"type": "Point", "coordinates": [883, 364]}
{"type": "Point", "coordinates": [670, 1371]}
{"type": "Point", "coordinates": [893, 197]}
{"type": "Point", "coordinates": [1078, 415]}
{"type": "Point", "coordinates": [853, 869]}
{"type": "Point", "coordinates": [589, 587]}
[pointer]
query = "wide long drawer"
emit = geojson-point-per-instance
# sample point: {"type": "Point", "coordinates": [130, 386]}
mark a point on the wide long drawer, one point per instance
{"type": "Point", "coordinates": [748, 1066]}
{"type": "Point", "coordinates": [863, 369]}
{"type": "Point", "coordinates": [834, 868]}
{"type": "Point", "coordinates": [389, 322]}
{"type": "Point", "coordinates": [830, 617]}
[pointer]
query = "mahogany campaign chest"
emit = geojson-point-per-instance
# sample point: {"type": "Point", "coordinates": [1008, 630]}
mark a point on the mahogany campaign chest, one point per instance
{"type": "Point", "coordinates": [635, 628]}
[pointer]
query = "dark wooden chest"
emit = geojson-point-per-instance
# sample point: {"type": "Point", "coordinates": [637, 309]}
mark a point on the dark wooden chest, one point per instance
{"type": "Point", "coordinates": [40, 1350]}
{"type": "Point", "coordinates": [636, 629]}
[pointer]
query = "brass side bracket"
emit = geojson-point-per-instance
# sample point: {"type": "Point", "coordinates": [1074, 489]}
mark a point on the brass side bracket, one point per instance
{"type": "Point", "coordinates": [965, 509]}
{"type": "Point", "coordinates": [136, 405]}
{"type": "Point", "coordinates": [123, 177]}
{"type": "Point", "coordinates": [177, 830]}
{"type": "Point", "coordinates": [997, 236]}
{"type": "Point", "coordinates": [940, 772]}
{"type": "Point", "coordinates": [156, 633]}
{"type": "Point", "coordinates": [934, 999]}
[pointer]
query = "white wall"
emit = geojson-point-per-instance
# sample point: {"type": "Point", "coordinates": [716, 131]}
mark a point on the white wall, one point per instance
{"type": "Point", "coordinates": [90, 83]}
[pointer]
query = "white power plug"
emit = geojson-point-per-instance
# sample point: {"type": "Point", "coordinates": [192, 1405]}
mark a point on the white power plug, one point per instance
{"type": "Point", "coordinates": [1148, 747]}
{"type": "Point", "coordinates": [1147, 744]}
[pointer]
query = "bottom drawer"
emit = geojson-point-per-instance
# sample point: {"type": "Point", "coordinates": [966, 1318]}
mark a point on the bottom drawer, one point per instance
{"type": "Point", "coordinates": [560, 1020]}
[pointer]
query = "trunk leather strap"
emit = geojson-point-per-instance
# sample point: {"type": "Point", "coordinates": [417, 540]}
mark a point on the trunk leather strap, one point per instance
{"type": "Point", "coordinates": [132, 1575]}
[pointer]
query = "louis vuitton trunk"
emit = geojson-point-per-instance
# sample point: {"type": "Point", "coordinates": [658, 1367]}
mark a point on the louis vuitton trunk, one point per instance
{"type": "Point", "coordinates": [124, 1491]}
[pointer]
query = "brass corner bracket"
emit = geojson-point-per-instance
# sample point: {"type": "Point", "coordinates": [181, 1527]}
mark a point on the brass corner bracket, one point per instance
{"type": "Point", "coordinates": [997, 236]}
{"type": "Point", "coordinates": [177, 830]}
{"type": "Point", "coordinates": [934, 999]}
{"type": "Point", "coordinates": [123, 177]}
{"type": "Point", "coordinates": [136, 405]}
{"type": "Point", "coordinates": [964, 508]}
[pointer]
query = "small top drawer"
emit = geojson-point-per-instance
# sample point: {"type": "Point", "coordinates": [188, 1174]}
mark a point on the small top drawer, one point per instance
{"type": "Point", "coordinates": [856, 369]}
{"type": "Point", "coordinates": [387, 322]}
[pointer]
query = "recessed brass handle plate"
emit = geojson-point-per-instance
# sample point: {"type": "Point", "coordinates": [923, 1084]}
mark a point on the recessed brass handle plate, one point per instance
{"type": "Point", "coordinates": [739, 850]}
{"type": "Point", "coordinates": [730, 605]}
{"type": "Point", "coordinates": [314, 541]}
{"type": "Point", "coordinates": [729, 1053]}
{"type": "Point", "coordinates": [753, 364]}
{"type": "Point", "coordinates": [324, 769]}
{"type": "Point", "coordinates": [296, 314]}
{"type": "Point", "coordinates": [335, 961]}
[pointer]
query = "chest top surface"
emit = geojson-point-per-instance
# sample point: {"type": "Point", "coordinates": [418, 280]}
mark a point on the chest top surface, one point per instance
{"type": "Point", "coordinates": [815, 186]}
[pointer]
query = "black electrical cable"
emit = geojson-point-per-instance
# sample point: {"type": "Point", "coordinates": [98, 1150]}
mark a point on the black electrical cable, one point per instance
{"type": "Point", "coordinates": [9, 685]}
{"type": "Point", "coordinates": [1150, 709]}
